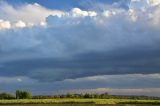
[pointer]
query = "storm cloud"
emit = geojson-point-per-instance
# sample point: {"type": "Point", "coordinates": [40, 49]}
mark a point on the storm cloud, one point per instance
{"type": "Point", "coordinates": [81, 43]}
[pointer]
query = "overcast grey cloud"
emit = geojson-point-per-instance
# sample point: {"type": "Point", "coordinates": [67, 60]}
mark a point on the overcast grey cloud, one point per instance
{"type": "Point", "coordinates": [80, 43]}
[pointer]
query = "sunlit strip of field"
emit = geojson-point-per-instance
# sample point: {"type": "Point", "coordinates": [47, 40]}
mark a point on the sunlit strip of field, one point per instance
{"type": "Point", "coordinates": [94, 101]}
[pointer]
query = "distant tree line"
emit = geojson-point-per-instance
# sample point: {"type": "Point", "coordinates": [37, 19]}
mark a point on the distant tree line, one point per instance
{"type": "Point", "coordinates": [6, 95]}
{"type": "Point", "coordinates": [98, 96]}
{"type": "Point", "coordinates": [72, 95]}
{"type": "Point", "coordinates": [27, 95]}
{"type": "Point", "coordinates": [23, 94]}
{"type": "Point", "coordinates": [19, 95]}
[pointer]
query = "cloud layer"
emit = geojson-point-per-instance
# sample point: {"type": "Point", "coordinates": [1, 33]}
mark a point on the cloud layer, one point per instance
{"type": "Point", "coordinates": [26, 15]}
{"type": "Point", "coordinates": [61, 45]}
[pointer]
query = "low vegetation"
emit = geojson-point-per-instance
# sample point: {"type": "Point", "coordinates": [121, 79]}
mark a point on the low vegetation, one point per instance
{"type": "Point", "coordinates": [24, 97]}
{"type": "Point", "coordinates": [6, 96]}
{"type": "Point", "coordinates": [89, 101]}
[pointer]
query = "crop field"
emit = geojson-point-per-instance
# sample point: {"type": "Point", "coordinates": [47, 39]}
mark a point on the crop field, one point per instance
{"type": "Point", "coordinates": [80, 102]}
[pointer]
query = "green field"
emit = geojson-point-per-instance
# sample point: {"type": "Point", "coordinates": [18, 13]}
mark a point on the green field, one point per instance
{"type": "Point", "coordinates": [93, 101]}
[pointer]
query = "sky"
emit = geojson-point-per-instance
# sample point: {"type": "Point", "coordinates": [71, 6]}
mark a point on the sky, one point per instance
{"type": "Point", "coordinates": [59, 46]}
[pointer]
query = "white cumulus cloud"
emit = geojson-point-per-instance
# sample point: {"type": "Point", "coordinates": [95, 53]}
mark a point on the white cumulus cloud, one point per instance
{"type": "Point", "coordinates": [30, 14]}
{"type": "Point", "coordinates": [76, 12]}
{"type": "Point", "coordinates": [154, 2]}
{"type": "Point", "coordinates": [5, 24]}
{"type": "Point", "coordinates": [20, 24]}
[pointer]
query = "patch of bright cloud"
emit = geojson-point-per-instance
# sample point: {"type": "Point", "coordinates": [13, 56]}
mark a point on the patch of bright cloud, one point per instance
{"type": "Point", "coordinates": [20, 24]}
{"type": "Point", "coordinates": [11, 80]}
{"type": "Point", "coordinates": [143, 4]}
{"type": "Point", "coordinates": [76, 12]}
{"type": "Point", "coordinates": [19, 80]}
{"type": "Point", "coordinates": [28, 13]}
{"type": "Point", "coordinates": [107, 13]}
{"type": "Point", "coordinates": [139, 5]}
{"type": "Point", "coordinates": [154, 2]}
{"type": "Point", "coordinates": [5, 24]}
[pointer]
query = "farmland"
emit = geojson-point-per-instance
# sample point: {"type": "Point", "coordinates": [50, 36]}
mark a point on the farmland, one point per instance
{"type": "Point", "coordinates": [79, 101]}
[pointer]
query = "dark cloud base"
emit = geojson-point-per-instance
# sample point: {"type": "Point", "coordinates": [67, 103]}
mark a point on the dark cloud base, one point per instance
{"type": "Point", "coordinates": [123, 61]}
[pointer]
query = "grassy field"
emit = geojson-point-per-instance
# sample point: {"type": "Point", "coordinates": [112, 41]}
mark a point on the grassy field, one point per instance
{"type": "Point", "coordinates": [94, 101]}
